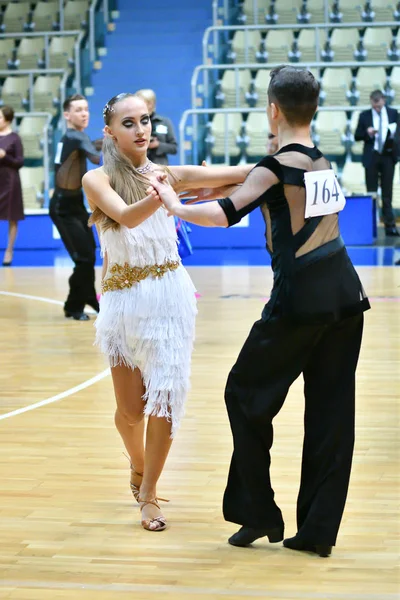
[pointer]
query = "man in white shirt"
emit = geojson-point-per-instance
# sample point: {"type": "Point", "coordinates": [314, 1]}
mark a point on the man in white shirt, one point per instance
{"type": "Point", "coordinates": [377, 128]}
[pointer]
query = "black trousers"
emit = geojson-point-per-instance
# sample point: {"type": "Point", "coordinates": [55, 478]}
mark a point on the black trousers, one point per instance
{"type": "Point", "coordinates": [273, 356]}
{"type": "Point", "coordinates": [381, 169]}
{"type": "Point", "coordinates": [69, 215]}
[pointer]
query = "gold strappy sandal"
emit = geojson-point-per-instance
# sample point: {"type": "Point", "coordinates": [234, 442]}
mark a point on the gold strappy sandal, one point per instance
{"type": "Point", "coordinates": [159, 523]}
{"type": "Point", "coordinates": [135, 489]}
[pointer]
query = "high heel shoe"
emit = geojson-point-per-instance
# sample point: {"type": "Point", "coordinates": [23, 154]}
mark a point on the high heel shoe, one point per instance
{"type": "Point", "coordinates": [160, 523]}
{"type": "Point", "coordinates": [135, 489]}
{"type": "Point", "coordinates": [247, 535]}
{"type": "Point", "coordinates": [323, 550]}
{"type": "Point", "coordinates": [7, 259]}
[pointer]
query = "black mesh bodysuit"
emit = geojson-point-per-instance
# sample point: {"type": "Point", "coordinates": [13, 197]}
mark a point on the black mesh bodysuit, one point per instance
{"type": "Point", "coordinates": [314, 279]}
{"type": "Point", "coordinates": [312, 326]}
{"type": "Point", "coordinates": [70, 164]}
{"type": "Point", "coordinates": [68, 213]}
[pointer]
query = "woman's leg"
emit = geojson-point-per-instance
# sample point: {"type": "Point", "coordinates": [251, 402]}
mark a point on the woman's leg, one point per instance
{"type": "Point", "coordinates": [129, 420]}
{"type": "Point", "coordinates": [12, 234]}
{"type": "Point", "coordinates": [129, 417]}
{"type": "Point", "coordinates": [158, 444]}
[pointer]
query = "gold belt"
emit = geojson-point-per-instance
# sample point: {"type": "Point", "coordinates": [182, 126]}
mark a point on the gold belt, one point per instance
{"type": "Point", "coordinates": [124, 276]}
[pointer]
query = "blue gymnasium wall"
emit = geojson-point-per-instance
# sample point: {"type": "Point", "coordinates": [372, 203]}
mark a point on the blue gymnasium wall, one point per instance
{"type": "Point", "coordinates": [156, 44]}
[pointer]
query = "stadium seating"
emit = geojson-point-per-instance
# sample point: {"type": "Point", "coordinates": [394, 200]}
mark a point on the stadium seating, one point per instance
{"type": "Point", "coordinates": [45, 16]}
{"type": "Point", "coordinates": [30, 53]}
{"type": "Point", "coordinates": [32, 179]}
{"type": "Point", "coordinates": [31, 132]}
{"type": "Point", "coordinates": [284, 12]}
{"type": "Point", "coordinates": [75, 14]}
{"type": "Point", "coordinates": [222, 125]}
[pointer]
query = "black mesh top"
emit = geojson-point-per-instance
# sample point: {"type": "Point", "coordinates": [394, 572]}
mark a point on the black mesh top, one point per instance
{"type": "Point", "coordinates": [314, 279]}
{"type": "Point", "coordinates": [70, 164]}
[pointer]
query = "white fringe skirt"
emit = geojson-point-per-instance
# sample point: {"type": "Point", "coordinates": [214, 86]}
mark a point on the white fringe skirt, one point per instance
{"type": "Point", "coordinates": [151, 326]}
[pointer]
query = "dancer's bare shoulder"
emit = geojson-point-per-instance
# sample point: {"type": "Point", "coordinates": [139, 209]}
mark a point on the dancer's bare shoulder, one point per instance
{"type": "Point", "coordinates": [95, 179]}
{"type": "Point", "coordinates": [95, 175]}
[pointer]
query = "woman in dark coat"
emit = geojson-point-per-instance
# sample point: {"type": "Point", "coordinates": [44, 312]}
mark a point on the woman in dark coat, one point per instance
{"type": "Point", "coordinates": [11, 160]}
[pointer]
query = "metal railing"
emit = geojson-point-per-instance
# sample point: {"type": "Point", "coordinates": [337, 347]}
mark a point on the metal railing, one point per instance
{"type": "Point", "coordinates": [216, 31]}
{"type": "Point", "coordinates": [92, 25]}
{"type": "Point", "coordinates": [206, 69]}
{"type": "Point", "coordinates": [193, 131]}
{"type": "Point", "coordinates": [46, 144]}
{"type": "Point", "coordinates": [47, 36]}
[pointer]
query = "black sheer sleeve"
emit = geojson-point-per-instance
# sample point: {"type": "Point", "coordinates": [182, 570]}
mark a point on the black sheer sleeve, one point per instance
{"type": "Point", "coordinates": [251, 194]}
{"type": "Point", "coordinates": [88, 147]}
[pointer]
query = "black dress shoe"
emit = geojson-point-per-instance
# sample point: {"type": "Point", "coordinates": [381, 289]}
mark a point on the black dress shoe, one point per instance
{"type": "Point", "coordinates": [78, 316]}
{"type": "Point", "coordinates": [295, 544]}
{"type": "Point", "coordinates": [392, 231]}
{"type": "Point", "coordinates": [247, 535]}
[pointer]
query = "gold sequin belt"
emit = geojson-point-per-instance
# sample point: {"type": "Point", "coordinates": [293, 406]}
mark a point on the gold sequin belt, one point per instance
{"type": "Point", "coordinates": [124, 276]}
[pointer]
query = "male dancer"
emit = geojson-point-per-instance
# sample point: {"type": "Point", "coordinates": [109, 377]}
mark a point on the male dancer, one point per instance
{"type": "Point", "coordinates": [67, 209]}
{"type": "Point", "coordinates": [312, 325]}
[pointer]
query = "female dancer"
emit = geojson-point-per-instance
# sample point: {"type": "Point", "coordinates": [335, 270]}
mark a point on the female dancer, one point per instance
{"type": "Point", "coordinates": [147, 310]}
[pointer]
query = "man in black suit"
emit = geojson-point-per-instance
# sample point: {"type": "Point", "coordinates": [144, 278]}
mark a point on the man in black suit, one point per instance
{"type": "Point", "coordinates": [377, 128]}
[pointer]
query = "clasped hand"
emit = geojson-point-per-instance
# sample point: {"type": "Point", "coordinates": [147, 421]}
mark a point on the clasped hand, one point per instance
{"type": "Point", "coordinates": [165, 192]}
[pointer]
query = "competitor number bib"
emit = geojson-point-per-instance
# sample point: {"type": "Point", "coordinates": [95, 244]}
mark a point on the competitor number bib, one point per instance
{"type": "Point", "coordinates": [323, 194]}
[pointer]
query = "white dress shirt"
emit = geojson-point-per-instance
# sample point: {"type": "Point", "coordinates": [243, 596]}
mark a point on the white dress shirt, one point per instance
{"type": "Point", "coordinates": [386, 126]}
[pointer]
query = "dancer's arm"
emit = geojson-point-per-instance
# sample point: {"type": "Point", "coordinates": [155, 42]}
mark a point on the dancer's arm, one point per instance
{"type": "Point", "coordinates": [100, 193]}
{"type": "Point", "coordinates": [92, 150]}
{"type": "Point", "coordinates": [208, 194]}
{"type": "Point", "coordinates": [193, 177]}
{"type": "Point", "coordinates": [227, 211]}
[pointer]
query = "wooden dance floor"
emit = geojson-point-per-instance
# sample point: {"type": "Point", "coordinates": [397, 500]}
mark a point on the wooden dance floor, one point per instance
{"type": "Point", "coordinates": [69, 528]}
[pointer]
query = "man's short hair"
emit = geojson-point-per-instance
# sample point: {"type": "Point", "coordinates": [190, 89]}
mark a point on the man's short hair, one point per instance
{"type": "Point", "coordinates": [376, 95]}
{"type": "Point", "coordinates": [8, 113]}
{"type": "Point", "coordinates": [296, 92]}
{"type": "Point", "coordinates": [70, 99]}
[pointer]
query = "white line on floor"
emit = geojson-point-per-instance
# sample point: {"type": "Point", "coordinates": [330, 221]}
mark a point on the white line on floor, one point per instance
{"type": "Point", "coordinates": [62, 395]}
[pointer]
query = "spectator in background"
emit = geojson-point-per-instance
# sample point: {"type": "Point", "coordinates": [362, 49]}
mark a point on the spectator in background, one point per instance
{"type": "Point", "coordinates": [377, 128]}
{"type": "Point", "coordinates": [163, 141]}
{"type": "Point", "coordinates": [11, 160]}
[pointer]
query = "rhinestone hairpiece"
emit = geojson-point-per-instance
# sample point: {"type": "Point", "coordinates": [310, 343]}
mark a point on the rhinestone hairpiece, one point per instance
{"type": "Point", "coordinates": [107, 109]}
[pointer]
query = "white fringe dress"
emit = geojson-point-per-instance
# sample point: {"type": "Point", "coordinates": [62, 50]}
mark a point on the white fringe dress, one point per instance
{"type": "Point", "coordinates": [147, 312]}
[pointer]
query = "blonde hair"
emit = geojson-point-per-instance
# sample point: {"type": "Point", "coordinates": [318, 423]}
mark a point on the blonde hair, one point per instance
{"type": "Point", "coordinates": [147, 94]}
{"type": "Point", "coordinates": [124, 178]}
